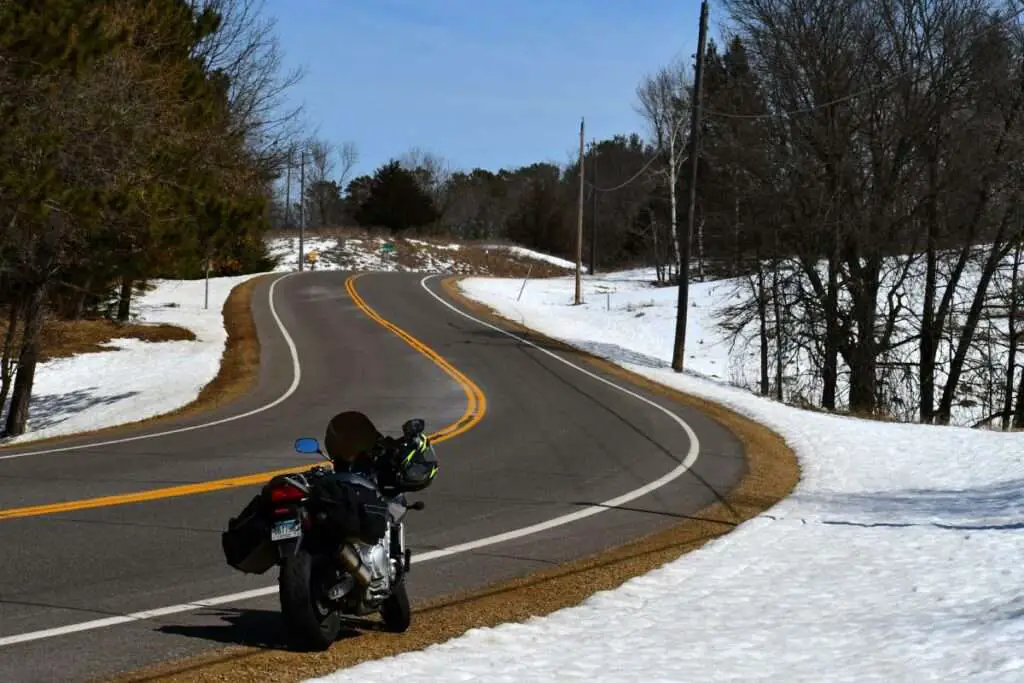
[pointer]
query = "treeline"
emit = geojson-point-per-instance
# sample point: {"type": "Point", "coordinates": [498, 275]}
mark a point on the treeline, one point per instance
{"type": "Point", "coordinates": [137, 140]}
{"type": "Point", "coordinates": [535, 205]}
{"type": "Point", "coordinates": [866, 155]}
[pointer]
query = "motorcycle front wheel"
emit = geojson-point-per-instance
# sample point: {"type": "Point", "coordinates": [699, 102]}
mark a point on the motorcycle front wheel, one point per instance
{"type": "Point", "coordinates": [395, 611]}
{"type": "Point", "coordinates": [317, 625]}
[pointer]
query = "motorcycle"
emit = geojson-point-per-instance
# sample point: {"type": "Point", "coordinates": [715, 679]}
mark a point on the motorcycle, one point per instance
{"type": "Point", "coordinates": [339, 542]}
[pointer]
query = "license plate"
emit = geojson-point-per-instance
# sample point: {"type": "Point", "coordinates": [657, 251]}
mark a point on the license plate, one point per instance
{"type": "Point", "coordinates": [288, 528]}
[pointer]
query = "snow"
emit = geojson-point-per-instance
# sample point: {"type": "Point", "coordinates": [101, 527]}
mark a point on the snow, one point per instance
{"type": "Point", "coordinates": [897, 557]}
{"type": "Point", "coordinates": [523, 252]}
{"type": "Point", "coordinates": [421, 256]}
{"type": "Point", "coordinates": [135, 380]}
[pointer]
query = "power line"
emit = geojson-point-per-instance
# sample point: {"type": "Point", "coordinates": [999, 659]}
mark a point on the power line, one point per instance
{"type": "Point", "coordinates": [675, 131]}
{"type": "Point", "coordinates": [852, 96]}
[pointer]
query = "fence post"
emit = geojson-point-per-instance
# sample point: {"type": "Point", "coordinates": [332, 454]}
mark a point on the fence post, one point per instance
{"type": "Point", "coordinates": [528, 271]}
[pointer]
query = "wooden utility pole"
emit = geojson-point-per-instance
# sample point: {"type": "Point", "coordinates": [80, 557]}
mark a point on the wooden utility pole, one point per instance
{"type": "Point", "coordinates": [593, 211]}
{"type": "Point", "coordinates": [302, 207]}
{"type": "Point", "coordinates": [679, 348]}
{"type": "Point", "coordinates": [288, 192]}
{"type": "Point", "coordinates": [579, 225]}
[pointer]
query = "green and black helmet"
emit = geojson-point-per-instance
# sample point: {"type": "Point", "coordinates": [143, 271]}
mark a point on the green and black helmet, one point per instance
{"type": "Point", "coordinates": [417, 461]}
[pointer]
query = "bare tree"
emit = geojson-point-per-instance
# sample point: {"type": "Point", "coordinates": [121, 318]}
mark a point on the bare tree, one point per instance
{"type": "Point", "coordinates": [662, 101]}
{"type": "Point", "coordinates": [247, 50]}
{"type": "Point", "coordinates": [348, 156]}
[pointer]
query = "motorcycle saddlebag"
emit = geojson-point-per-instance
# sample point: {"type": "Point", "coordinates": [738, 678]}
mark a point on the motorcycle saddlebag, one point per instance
{"type": "Point", "coordinates": [246, 543]}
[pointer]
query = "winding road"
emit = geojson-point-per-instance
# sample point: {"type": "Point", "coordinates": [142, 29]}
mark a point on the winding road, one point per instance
{"type": "Point", "coordinates": [111, 555]}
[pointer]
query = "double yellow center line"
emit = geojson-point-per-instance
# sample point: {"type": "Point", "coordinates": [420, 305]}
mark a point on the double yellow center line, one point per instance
{"type": "Point", "coordinates": [476, 408]}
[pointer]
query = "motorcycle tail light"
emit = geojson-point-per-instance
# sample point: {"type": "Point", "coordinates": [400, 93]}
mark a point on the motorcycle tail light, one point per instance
{"type": "Point", "coordinates": [286, 493]}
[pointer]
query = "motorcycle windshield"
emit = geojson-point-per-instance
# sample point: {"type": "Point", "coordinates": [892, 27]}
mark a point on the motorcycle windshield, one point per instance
{"type": "Point", "coordinates": [348, 435]}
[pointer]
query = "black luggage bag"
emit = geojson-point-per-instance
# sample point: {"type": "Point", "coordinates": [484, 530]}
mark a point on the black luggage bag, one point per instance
{"type": "Point", "coordinates": [246, 543]}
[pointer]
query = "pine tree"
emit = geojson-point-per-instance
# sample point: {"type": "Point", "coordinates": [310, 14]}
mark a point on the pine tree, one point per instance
{"type": "Point", "coordinates": [395, 200]}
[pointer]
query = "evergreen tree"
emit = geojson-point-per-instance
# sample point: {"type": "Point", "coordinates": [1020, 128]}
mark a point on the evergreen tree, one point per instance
{"type": "Point", "coordinates": [395, 200]}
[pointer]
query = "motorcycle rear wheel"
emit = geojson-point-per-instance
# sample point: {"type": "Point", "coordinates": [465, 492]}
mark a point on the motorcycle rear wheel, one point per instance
{"type": "Point", "coordinates": [314, 624]}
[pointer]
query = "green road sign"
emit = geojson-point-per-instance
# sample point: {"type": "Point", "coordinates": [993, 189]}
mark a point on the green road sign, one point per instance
{"type": "Point", "coordinates": [388, 247]}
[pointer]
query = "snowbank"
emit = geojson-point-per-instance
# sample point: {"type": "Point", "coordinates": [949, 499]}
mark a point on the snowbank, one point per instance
{"type": "Point", "coordinates": [536, 256]}
{"type": "Point", "coordinates": [897, 558]}
{"type": "Point", "coordinates": [140, 379]}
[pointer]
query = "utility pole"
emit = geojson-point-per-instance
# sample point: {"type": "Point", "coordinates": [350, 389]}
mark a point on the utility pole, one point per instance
{"type": "Point", "coordinates": [302, 207]}
{"type": "Point", "coordinates": [579, 225]}
{"type": "Point", "coordinates": [679, 348]}
{"type": "Point", "coordinates": [288, 191]}
{"type": "Point", "coordinates": [593, 212]}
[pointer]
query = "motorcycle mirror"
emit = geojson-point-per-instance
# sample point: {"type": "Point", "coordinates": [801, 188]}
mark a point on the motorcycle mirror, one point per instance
{"type": "Point", "coordinates": [418, 505]}
{"type": "Point", "coordinates": [413, 427]}
{"type": "Point", "coordinates": [308, 445]}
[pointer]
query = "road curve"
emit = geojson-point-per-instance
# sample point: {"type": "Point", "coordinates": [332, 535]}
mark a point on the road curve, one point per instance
{"type": "Point", "coordinates": [552, 442]}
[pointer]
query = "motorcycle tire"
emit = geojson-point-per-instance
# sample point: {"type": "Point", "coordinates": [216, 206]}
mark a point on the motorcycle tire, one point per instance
{"type": "Point", "coordinates": [395, 611]}
{"type": "Point", "coordinates": [315, 626]}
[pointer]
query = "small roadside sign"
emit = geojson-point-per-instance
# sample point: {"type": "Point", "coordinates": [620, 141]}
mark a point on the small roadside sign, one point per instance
{"type": "Point", "coordinates": [388, 247]}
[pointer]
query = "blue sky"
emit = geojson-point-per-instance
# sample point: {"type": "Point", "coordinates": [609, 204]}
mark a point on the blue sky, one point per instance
{"type": "Point", "coordinates": [484, 83]}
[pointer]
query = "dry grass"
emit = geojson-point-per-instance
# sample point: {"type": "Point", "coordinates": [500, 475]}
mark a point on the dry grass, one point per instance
{"type": "Point", "coordinates": [330, 233]}
{"type": "Point", "coordinates": [772, 474]}
{"type": "Point", "coordinates": [238, 372]}
{"type": "Point", "coordinates": [502, 263]}
{"type": "Point", "coordinates": [66, 338]}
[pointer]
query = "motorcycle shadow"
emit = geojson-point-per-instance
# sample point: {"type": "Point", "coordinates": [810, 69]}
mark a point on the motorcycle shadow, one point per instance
{"type": "Point", "coordinates": [256, 628]}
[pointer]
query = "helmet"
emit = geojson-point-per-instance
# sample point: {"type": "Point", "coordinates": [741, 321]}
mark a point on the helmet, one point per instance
{"type": "Point", "coordinates": [417, 463]}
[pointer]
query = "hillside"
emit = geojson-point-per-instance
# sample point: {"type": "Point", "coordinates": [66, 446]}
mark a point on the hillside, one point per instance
{"type": "Point", "coordinates": [356, 250]}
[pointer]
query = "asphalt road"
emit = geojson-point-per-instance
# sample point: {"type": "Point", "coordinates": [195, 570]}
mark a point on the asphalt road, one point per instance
{"type": "Point", "coordinates": [553, 440]}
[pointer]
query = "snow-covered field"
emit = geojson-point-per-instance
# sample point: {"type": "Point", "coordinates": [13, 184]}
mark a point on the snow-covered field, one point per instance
{"type": "Point", "coordinates": [136, 379]}
{"type": "Point", "coordinates": [897, 558]}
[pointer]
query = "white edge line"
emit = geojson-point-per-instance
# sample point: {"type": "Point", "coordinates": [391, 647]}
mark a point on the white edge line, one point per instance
{"type": "Point", "coordinates": [296, 379]}
{"type": "Point", "coordinates": [675, 473]}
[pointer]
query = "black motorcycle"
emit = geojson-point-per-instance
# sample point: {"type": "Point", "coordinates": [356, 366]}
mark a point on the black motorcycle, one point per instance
{"type": "Point", "coordinates": [340, 543]}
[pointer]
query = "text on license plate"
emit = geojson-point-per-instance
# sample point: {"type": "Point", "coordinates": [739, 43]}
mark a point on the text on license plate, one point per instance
{"type": "Point", "coordinates": [287, 528]}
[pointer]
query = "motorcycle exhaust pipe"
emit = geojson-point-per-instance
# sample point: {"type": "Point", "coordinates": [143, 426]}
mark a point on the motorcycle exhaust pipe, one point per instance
{"type": "Point", "coordinates": [350, 558]}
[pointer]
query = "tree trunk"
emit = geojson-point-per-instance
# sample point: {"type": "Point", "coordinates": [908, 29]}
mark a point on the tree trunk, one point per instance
{"type": "Point", "coordinates": [963, 346]}
{"type": "Point", "coordinates": [762, 318]}
{"type": "Point", "coordinates": [17, 416]}
{"type": "Point", "coordinates": [82, 298]}
{"type": "Point", "coordinates": [659, 271]}
{"type": "Point", "coordinates": [6, 361]}
{"type": "Point", "coordinates": [1011, 362]}
{"type": "Point", "coordinates": [830, 364]}
{"type": "Point", "coordinates": [124, 304]}
{"type": "Point", "coordinates": [777, 304]}
{"type": "Point", "coordinates": [700, 250]}
{"type": "Point", "coordinates": [929, 343]}
{"type": "Point", "coordinates": [863, 357]}
{"type": "Point", "coordinates": [736, 226]}
{"type": "Point", "coordinates": [1018, 415]}
{"type": "Point", "coordinates": [672, 199]}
